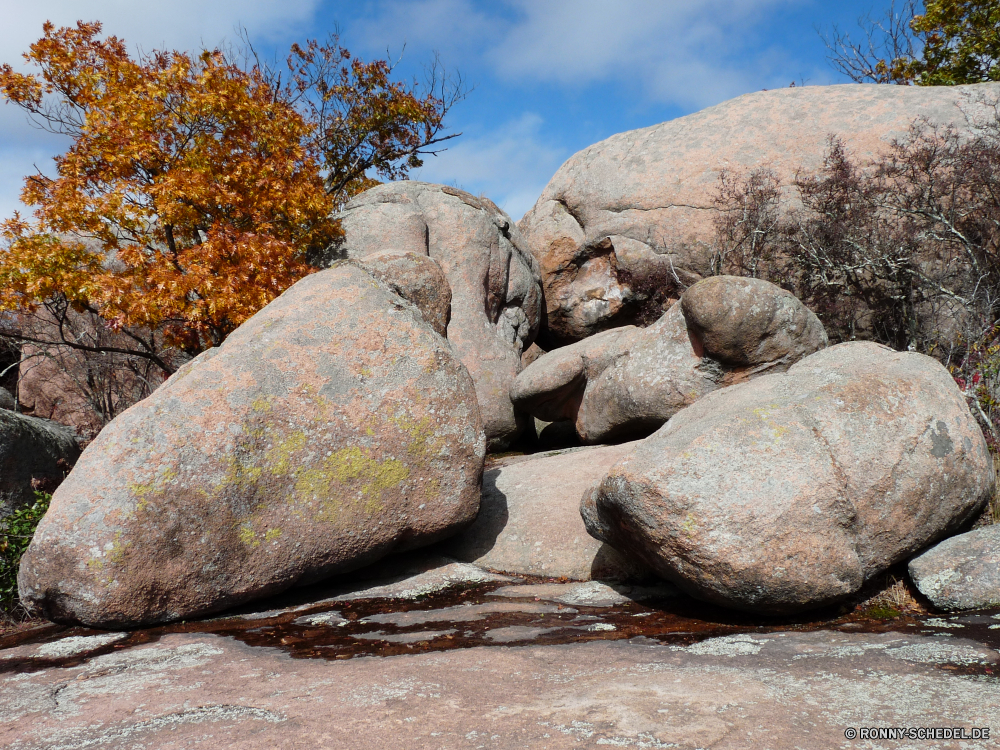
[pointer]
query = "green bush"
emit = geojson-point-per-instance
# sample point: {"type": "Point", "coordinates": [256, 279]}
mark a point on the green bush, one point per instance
{"type": "Point", "coordinates": [16, 532]}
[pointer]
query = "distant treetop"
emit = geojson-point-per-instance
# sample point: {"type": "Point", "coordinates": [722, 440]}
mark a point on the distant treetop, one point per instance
{"type": "Point", "coordinates": [951, 42]}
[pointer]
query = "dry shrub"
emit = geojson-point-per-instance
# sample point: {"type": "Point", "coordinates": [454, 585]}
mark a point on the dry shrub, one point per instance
{"type": "Point", "coordinates": [903, 249]}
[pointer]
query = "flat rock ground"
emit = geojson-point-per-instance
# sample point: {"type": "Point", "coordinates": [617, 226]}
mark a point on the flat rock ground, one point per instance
{"type": "Point", "coordinates": [444, 655]}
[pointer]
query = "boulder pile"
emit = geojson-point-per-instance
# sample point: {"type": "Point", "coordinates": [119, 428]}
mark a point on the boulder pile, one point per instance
{"type": "Point", "coordinates": [626, 382]}
{"type": "Point", "coordinates": [496, 293]}
{"type": "Point", "coordinates": [350, 418]}
{"type": "Point", "coordinates": [626, 224]}
{"type": "Point", "coordinates": [790, 491]}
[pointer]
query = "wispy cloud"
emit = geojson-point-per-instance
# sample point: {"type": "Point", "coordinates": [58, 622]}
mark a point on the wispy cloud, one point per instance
{"type": "Point", "coordinates": [178, 24]}
{"type": "Point", "coordinates": [682, 52]}
{"type": "Point", "coordinates": [510, 164]}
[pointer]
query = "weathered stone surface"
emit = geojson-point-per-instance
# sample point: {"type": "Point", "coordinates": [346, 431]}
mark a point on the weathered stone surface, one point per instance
{"type": "Point", "coordinates": [7, 400]}
{"type": "Point", "coordinates": [626, 382]}
{"type": "Point", "coordinates": [790, 491]}
{"type": "Point", "coordinates": [626, 223]}
{"type": "Point", "coordinates": [962, 572]}
{"type": "Point", "coordinates": [331, 429]}
{"type": "Point", "coordinates": [35, 454]}
{"type": "Point", "coordinates": [780, 690]}
{"type": "Point", "coordinates": [418, 279]}
{"type": "Point", "coordinates": [496, 304]}
{"type": "Point", "coordinates": [529, 519]}
{"type": "Point", "coordinates": [750, 323]}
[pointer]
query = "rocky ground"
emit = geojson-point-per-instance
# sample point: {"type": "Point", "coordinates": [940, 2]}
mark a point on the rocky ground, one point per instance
{"type": "Point", "coordinates": [439, 654]}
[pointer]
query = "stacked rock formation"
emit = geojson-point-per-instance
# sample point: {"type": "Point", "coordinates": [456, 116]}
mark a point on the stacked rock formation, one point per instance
{"type": "Point", "coordinates": [626, 382]}
{"type": "Point", "coordinates": [790, 491]}
{"type": "Point", "coordinates": [496, 305]}
{"type": "Point", "coordinates": [627, 223]}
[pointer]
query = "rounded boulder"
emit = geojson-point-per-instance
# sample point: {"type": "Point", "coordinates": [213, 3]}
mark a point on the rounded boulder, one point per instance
{"type": "Point", "coordinates": [331, 429]}
{"type": "Point", "coordinates": [790, 491]}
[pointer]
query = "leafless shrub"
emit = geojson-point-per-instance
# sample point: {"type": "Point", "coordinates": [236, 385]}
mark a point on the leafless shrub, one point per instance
{"type": "Point", "coordinates": [77, 369]}
{"type": "Point", "coordinates": [903, 249]}
{"type": "Point", "coordinates": [886, 45]}
{"type": "Point", "coordinates": [748, 216]}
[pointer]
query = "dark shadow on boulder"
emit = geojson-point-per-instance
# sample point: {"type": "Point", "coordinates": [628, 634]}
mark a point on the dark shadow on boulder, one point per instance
{"type": "Point", "coordinates": [479, 538]}
{"type": "Point", "coordinates": [610, 565]}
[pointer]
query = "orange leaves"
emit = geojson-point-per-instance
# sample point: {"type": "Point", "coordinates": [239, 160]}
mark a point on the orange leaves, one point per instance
{"type": "Point", "coordinates": [194, 188]}
{"type": "Point", "coordinates": [191, 181]}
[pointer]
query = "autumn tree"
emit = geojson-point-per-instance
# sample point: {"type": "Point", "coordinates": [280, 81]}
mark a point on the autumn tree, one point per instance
{"type": "Point", "coordinates": [951, 42]}
{"type": "Point", "coordinates": [195, 187]}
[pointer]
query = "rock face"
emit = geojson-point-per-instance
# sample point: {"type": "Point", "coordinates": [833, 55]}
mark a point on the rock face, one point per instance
{"type": "Point", "coordinates": [626, 223]}
{"type": "Point", "coordinates": [35, 454]}
{"type": "Point", "coordinates": [788, 492]}
{"type": "Point", "coordinates": [417, 279]}
{"type": "Point", "coordinates": [962, 572]}
{"type": "Point", "coordinates": [626, 382]}
{"type": "Point", "coordinates": [496, 295]}
{"type": "Point", "coordinates": [332, 428]}
{"type": "Point", "coordinates": [529, 519]}
{"type": "Point", "coordinates": [725, 693]}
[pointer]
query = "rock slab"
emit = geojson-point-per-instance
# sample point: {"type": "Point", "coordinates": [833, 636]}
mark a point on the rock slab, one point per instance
{"type": "Point", "coordinates": [962, 572]}
{"type": "Point", "coordinates": [788, 492]}
{"type": "Point", "coordinates": [529, 519]}
{"type": "Point", "coordinates": [332, 428]}
{"type": "Point", "coordinates": [496, 294]}
{"type": "Point", "coordinates": [627, 223]}
{"type": "Point", "coordinates": [782, 690]}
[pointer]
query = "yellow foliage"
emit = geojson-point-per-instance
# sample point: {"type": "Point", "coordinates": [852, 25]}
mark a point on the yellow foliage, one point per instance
{"type": "Point", "coordinates": [187, 201]}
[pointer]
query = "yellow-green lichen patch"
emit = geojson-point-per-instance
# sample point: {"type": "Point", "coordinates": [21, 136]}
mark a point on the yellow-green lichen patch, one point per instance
{"type": "Point", "coordinates": [114, 556]}
{"type": "Point", "coordinates": [424, 444]}
{"type": "Point", "coordinates": [764, 415]}
{"type": "Point", "coordinates": [279, 457]}
{"type": "Point", "coordinates": [156, 486]}
{"type": "Point", "coordinates": [252, 538]}
{"type": "Point", "coordinates": [349, 472]}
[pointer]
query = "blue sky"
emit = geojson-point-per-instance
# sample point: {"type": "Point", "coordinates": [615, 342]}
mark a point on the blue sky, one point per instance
{"type": "Point", "coordinates": [550, 77]}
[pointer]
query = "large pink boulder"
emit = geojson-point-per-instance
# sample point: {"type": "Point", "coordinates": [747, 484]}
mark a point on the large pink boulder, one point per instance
{"type": "Point", "coordinates": [790, 491]}
{"type": "Point", "coordinates": [496, 294]}
{"type": "Point", "coordinates": [332, 428]}
{"type": "Point", "coordinates": [627, 223]}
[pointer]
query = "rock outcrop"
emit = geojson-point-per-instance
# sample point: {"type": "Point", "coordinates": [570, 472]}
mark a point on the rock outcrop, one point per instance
{"type": "Point", "coordinates": [332, 428]}
{"type": "Point", "coordinates": [529, 519]}
{"type": "Point", "coordinates": [496, 296]}
{"type": "Point", "coordinates": [35, 454]}
{"type": "Point", "coordinates": [626, 382]}
{"type": "Point", "coordinates": [962, 572]}
{"type": "Point", "coordinates": [790, 491]}
{"type": "Point", "coordinates": [626, 223]}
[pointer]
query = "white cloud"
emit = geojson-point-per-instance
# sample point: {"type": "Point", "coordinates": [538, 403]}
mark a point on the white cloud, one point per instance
{"type": "Point", "coordinates": [680, 51]}
{"type": "Point", "coordinates": [510, 164]}
{"type": "Point", "coordinates": [453, 27]}
{"type": "Point", "coordinates": [686, 52]}
{"type": "Point", "coordinates": [178, 24]}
